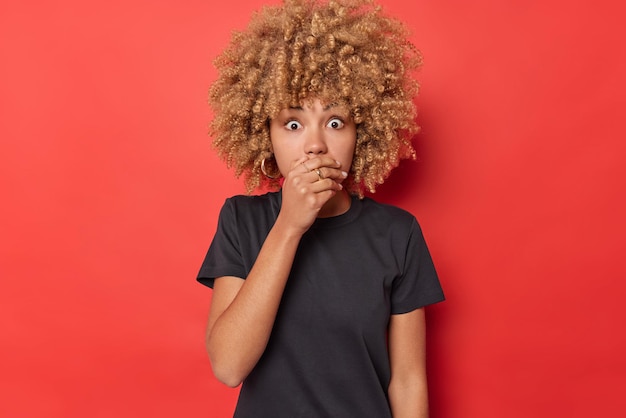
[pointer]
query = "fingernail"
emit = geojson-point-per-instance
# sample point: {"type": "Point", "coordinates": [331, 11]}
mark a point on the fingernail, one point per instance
{"type": "Point", "coordinates": [343, 173]}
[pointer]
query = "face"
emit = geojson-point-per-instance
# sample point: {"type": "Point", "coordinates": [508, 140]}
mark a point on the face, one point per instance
{"type": "Point", "coordinates": [312, 131]}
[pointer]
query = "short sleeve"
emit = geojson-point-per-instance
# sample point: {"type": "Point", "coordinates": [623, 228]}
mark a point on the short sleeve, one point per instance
{"type": "Point", "coordinates": [418, 285]}
{"type": "Point", "coordinates": [224, 257]}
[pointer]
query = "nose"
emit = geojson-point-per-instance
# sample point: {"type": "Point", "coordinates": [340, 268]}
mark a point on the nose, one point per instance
{"type": "Point", "coordinates": [315, 143]}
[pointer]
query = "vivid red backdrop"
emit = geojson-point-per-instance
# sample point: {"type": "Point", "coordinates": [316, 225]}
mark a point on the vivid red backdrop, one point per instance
{"type": "Point", "coordinates": [110, 194]}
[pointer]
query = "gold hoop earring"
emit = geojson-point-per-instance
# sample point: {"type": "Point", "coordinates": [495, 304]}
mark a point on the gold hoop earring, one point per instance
{"type": "Point", "coordinates": [265, 172]}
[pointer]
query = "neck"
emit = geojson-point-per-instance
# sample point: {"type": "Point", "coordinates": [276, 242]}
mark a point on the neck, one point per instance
{"type": "Point", "coordinates": [337, 205]}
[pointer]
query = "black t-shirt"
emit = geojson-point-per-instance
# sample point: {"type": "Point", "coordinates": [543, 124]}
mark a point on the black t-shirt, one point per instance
{"type": "Point", "coordinates": [327, 354]}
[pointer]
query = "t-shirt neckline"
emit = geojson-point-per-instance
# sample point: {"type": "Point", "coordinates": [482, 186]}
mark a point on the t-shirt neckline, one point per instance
{"type": "Point", "coordinates": [335, 221]}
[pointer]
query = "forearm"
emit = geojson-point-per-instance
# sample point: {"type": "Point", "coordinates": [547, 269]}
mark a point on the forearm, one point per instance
{"type": "Point", "coordinates": [409, 398]}
{"type": "Point", "coordinates": [238, 337]}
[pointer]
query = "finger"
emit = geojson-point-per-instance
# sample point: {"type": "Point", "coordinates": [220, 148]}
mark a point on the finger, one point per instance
{"type": "Point", "coordinates": [302, 165]}
{"type": "Point", "coordinates": [321, 161]}
{"type": "Point", "coordinates": [330, 173]}
{"type": "Point", "coordinates": [306, 167]}
{"type": "Point", "coordinates": [323, 173]}
{"type": "Point", "coordinates": [324, 185]}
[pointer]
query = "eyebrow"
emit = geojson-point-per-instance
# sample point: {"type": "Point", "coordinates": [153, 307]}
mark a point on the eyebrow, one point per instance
{"type": "Point", "coordinates": [324, 109]}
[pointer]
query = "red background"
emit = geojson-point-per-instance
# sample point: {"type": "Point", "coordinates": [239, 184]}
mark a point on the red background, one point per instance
{"type": "Point", "coordinates": [110, 194]}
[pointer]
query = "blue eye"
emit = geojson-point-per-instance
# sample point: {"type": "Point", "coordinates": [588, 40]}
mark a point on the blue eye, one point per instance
{"type": "Point", "coordinates": [335, 123]}
{"type": "Point", "coordinates": [293, 125]}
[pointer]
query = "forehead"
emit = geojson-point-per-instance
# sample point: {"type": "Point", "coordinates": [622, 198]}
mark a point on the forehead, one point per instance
{"type": "Point", "coordinates": [316, 103]}
{"type": "Point", "coordinates": [293, 95]}
{"type": "Point", "coordinates": [315, 108]}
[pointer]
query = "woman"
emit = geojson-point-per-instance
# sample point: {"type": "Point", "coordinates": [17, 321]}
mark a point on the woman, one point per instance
{"type": "Point", "coordinates": [318, 293]}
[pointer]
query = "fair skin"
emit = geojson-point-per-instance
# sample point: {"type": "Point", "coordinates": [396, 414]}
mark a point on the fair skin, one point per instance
{"type": "Point", "coordinates": [304, 140]}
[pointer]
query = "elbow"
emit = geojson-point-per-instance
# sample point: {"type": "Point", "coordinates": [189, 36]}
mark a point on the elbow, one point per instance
{"type": "Point", "coordinates": [226, 372]}
{"type": "Point", "coordinates": [229, 366]}
{"type": "Point", "coordinates": [231, 385]}
{"type": "Point", "coordinates": [229, 379]}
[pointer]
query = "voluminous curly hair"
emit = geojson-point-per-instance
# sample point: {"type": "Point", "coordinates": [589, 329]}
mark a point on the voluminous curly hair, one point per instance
{"type": "Point", "coordinates": [344, 52]}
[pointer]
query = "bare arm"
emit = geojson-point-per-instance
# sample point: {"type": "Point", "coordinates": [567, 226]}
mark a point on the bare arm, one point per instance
{"type": "Point", "coordinates": [408, 393]}
{"type": "Point", "coordinates": [242, 312]}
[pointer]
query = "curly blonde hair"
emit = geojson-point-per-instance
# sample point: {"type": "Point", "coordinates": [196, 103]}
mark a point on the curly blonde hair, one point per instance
{"type": "Point", "coordinates": [344, 52]}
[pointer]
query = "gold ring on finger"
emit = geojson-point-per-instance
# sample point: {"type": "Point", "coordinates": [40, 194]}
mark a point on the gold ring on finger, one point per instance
{"type": "Point", "coordinates": [319, 173]}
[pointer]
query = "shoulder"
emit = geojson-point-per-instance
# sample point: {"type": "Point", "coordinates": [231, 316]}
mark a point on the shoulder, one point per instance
{"type": "Point", "coordinates": [239, 204]}
{"type": "Point", "coordinates": [385, 213]}
{"type": "Point", "coordinates": [254, 200]}
{"type": "Point", "coordinates": [244, 211]}
{"type": "Point", "coordinates": [387, 220]}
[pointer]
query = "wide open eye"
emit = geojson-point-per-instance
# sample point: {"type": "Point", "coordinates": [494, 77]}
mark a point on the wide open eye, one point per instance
{"type": "Point", "coordinates": [293, 125]}
{"type": "Point", "coordinates": [335, 123]}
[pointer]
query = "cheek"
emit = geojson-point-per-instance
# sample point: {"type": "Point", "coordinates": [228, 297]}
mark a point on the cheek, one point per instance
{"type": "Point", "coordinates": [349, 158]}
{"type": "Point", "coordinates": [284, 156]}
{"type": "Point", "coordinates": [348, 152]}
{"type": "Point", "coordinates": [283, 165]}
